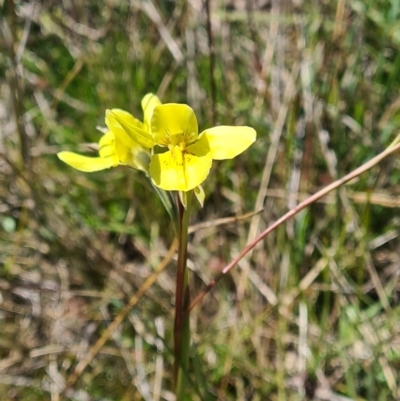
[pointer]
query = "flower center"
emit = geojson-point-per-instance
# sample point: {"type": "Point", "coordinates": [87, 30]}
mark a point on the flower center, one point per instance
{"type": "Point", "coordinates": [180, 145]}
{"type": "Point", "coordinates": [177, 143]}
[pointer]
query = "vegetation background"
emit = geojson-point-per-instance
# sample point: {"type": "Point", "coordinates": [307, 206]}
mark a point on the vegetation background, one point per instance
{"type": "Point", "coordinates": [313, 313]}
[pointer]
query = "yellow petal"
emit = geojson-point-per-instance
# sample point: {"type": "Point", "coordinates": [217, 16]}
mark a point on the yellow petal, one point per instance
{"type": "Point", "coordinates": [84, 163]}
{"type": "Point", "coordinates": [196, 169]}
{"type": "Point", "coordinates": [199, 148]}
{"type": "Point", "coordinates": [135, 156]}
{"type": "Point", "coordinates": [148, 103]}
{"type": "Point", "coordinates": [107, 147]}
{"type": "Point", "coordinates": [127, 128]}
{"type": "Point", "coordinates": [227, 142]}
{"type": "Point", "coordinates": [173, 119]}
{"type": "Point", "coordinates": [177, 171]}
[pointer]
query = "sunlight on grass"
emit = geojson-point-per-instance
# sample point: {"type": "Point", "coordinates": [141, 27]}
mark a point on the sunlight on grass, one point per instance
{"type": "Point", "coordinates": [312, 311]}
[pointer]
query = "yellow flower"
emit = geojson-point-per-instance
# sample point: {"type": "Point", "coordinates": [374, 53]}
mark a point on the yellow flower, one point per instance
{"type": "Point", "coordinates": [188, 156]}
{"type": "Point", "coordinates": [187, 162]}
{"type": "Point", "coordinates": [118, 145]}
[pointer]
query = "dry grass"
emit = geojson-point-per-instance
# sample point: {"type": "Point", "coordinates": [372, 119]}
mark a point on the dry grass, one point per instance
{"type": "Point", "coordinates": [313, 313]}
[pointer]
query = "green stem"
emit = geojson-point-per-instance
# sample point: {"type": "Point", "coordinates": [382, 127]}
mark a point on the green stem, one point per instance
{"type": "Point", "coordinates": [182, 302]}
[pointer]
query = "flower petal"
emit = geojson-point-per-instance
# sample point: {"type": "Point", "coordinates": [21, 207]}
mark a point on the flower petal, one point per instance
{"type": "Point", "coordinates": [227, 142]}
{"type": "Point", "coordinates": [127, 128]}
{"type": "Point", "coordinates": [177, 171]}
{"type": "Point", "coordinates": [199, 148]}
{"type": "Point", "coordinates": [135, 156]}
{"type": "Point", "coordinates": [173, 119]}
{"type": "Point", "coordinates": [107, 147]}
{"type": "Point", "coordinates": [149, 102]}
{"type": "Point", "coordinates": [86, 164]}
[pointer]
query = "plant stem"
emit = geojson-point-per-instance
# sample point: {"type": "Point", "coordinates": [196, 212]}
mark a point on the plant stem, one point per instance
{"type": "Point", "coordinates": [182, 302]}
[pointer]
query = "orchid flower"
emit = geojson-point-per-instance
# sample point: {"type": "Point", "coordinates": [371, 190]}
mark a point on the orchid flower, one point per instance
{"type": "Point", "coordinates": [188, 157]}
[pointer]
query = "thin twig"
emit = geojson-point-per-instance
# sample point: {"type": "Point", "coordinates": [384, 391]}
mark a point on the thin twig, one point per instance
{"type": "Point", "coordinates": [336, 184]}
{"type": "Point", "coordinates": [222, 221]}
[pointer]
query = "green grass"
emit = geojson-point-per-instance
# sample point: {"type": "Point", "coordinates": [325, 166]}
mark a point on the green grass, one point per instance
{"type": "Point", "coordinates": [75, 247]}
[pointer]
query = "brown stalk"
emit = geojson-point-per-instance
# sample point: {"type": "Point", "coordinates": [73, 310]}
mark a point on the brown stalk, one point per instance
{"type": "Point", "coordinates": [313, 198]}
